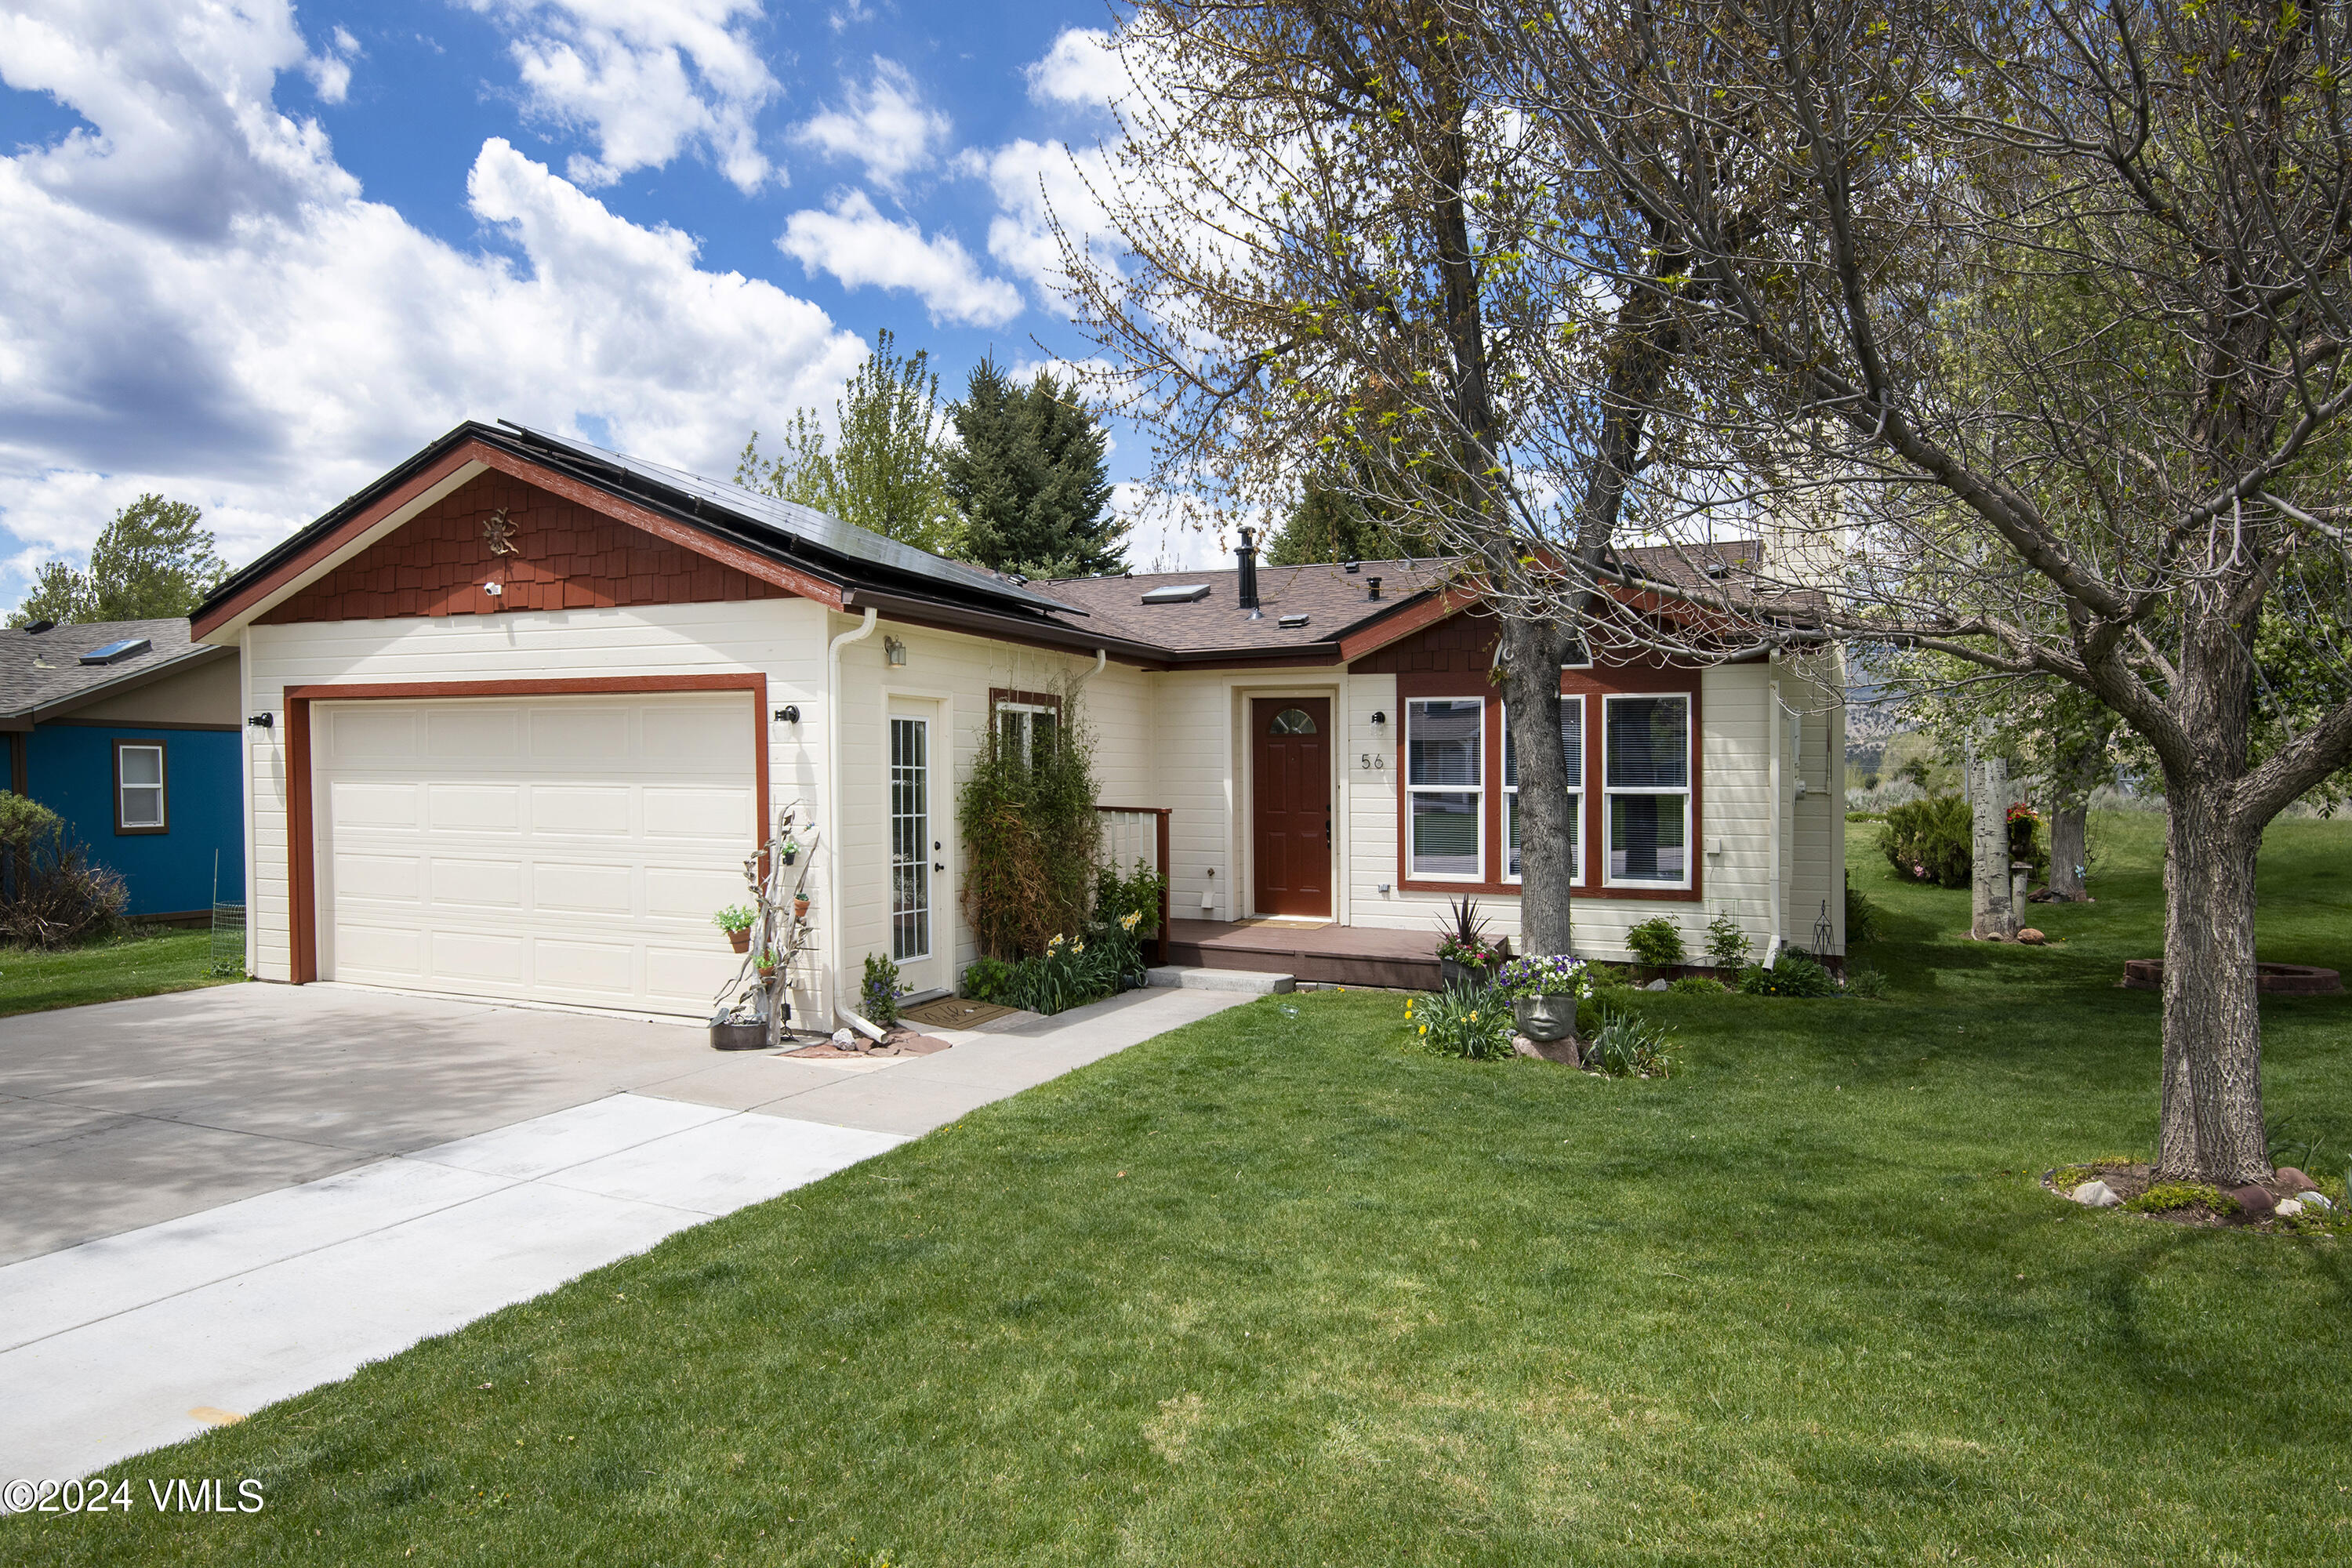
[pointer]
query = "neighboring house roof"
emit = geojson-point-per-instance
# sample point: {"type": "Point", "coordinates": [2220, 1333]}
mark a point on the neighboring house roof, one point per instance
{"type": "Point", "coordinates": [42, 676]}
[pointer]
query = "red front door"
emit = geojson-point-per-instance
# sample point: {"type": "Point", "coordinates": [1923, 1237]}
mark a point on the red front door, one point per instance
{"type": "Point", "coordinates": [1290, 783]}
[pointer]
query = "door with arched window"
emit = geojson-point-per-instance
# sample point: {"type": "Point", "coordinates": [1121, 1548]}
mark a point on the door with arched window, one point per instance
{"type": "Point", "coordinates": [1290, 786]}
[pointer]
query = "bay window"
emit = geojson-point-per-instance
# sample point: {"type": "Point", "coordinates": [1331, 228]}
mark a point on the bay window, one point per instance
{"type": "Point", "coordinates": [1571, 749]}
{"type": "Point", "coordinates": [1445, 742]}
{"type": "Point", "coordinates": [1646, 775]}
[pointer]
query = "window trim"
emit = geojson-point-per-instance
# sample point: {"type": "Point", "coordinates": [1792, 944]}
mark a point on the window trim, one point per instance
{"type": "Point", "coordinates": [1510, 792]}
{"type": "Point", "coordinates": [1688, 792]}
{"type": "Point", "coordinates": [162, 786]}
{"type": "Point", "coordinates": [1408, 789]}
{"type": "Point", "coordinates": [1003, 700]}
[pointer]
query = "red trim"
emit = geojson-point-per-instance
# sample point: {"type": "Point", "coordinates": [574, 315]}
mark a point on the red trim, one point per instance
{"type": "Point", "coordinates": [302, 918]}
{"type": "Point", "coordinates": [316, 554]}
{"type": "Point", "coordinates": [1440, 605]}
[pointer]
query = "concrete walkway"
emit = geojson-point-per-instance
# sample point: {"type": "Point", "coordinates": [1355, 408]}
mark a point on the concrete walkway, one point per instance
{"type": "Point", "coordinates": [142, 1336]}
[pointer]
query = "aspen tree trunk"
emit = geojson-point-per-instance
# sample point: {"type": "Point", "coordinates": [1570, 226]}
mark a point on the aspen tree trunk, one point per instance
{"type": "Point", "coordinates": [1547, 850]}
{"type": "Point", "coordinates": [1993, 911]}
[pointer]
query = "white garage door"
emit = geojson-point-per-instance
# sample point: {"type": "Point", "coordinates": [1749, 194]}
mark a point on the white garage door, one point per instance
{"type": "Point", "coordinates": [542, 848]}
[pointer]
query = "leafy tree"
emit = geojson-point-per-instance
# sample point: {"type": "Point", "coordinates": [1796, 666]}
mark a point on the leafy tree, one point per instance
{"type": "Point", "coordinates": [881, 472]}
{"type": "Point", "coordinates": [1027, 475]}
{"type": "Point", "coordinates": [153, 560]}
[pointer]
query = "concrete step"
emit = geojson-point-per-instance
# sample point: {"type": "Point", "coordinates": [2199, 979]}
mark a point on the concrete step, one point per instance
{"type": "Point", "coordinates": [1248, 980]}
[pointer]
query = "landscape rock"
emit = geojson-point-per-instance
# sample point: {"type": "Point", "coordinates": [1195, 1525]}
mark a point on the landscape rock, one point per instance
{"type": "Point", "coordinates": [2096, 1196]}
{"type": "Point", "coordinates": [2293, 1180]}
{"type": "Point", "coordinates": [2031, 937]}
{"type": "Point", "coordinates": [2256, 1201]}
{"type": "Point", "coordinates": [843, 1038]}
{"type": "Point", "coordinates": [1655, 986]}
{"type": "Point", "coordinates": [2287, 1206]}
{"type": "Point", "coordinates": [2316, 1200]}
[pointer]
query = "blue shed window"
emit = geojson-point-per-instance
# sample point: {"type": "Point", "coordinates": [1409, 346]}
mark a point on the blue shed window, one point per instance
{"type": "Point", "coordinates": [140, 806]}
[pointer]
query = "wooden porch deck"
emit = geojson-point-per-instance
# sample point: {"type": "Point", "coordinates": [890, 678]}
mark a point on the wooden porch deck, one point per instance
{"type": "Point", "coordinates": [1327, 954]}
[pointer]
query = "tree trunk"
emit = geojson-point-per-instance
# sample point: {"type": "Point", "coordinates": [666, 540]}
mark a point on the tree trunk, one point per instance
{"type": "Point", "coordinates": [2213, 1128]}
{"type": "Point", "coordinates": [1546, 845]}
{"type": "Point", "coordinates": [2069, 849]}
{"type": "Point", "coordinates": [1994, 912]}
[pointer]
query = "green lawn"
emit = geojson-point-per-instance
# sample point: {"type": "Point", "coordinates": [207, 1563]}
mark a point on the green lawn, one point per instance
{"type": "Point", "coordinates": [1275, 1289]}
{"type": "Point", "coordinates": [32, 981]}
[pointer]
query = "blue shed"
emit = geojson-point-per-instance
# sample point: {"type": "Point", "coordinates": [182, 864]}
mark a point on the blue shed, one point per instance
{"type": "Point", "coordinates": [132, 733]}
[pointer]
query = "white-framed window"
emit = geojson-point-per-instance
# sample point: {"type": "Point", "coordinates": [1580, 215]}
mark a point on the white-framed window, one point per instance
{"type": "Point", "coordinates": [910, 838]}
{"type": "Point", "coordinates": [1444, 749]}
{"type": "Point", "coordinates": [1576, 655]}
{"type": "Point", "coordinates": [1572, 751]}
{"type": "Point", "coordinates": [1028, 728]}
{"type": "Point", "coordinates": [139, 804]}
{"type": "Point", "coordinates": [1645, 766]}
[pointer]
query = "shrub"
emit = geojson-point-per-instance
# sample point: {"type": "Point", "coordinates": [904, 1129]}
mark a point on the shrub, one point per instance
{"type": "Point", "coordinates": [1728, 946]}
{"type": "Point", "coordinates": [1030, 837]}
{"type": "Point", "coordinates": [1625, 1045]}
{"type": "Point", "coordinates": [988, 980]}
{"type": "Point", "coordinates": [2171, 1197]}
{"type": "Point", "coordinates": [877, 997]}
{"type": "Point", "coordinates": [50, 896]}
{"type": "Point", "coordinates": [1136, 895]}
{"type": "Point", "coordinates": [1928, 841]}
{"type": "Point", "coordinates": [1462, 1021]}
{"type": "Point", "coordinates": [1465, 939]}
{"type": "Point", "coordinates": [1069, 973]}
{"type": "Point", "coordinates": [1865, 983]}
{"type": "Point", "coordinates": [1657, 942]}
{"type": "Point", "coordinates": [1698, 985]}
{"type": "Point", "coordinates": [1793, 974]}
{"type": "Point", "coordinates": [1865, 921]}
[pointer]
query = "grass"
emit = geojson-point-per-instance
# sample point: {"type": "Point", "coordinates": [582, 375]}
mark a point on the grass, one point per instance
{"type": "Point", "coordinates": [1276, 1289]}
{"type": "Point", "coordinates": [143, 963]}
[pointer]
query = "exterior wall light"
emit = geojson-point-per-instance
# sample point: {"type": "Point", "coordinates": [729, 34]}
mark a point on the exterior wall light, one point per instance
{"type": "Point", "coordinates": [1380, 718]}
{"type": "Point", "coordinates": [789, 715]}
{"type": "Point", "coordinates": [262, 720]}
{"type": "Point", "coordinates": [894, 651]}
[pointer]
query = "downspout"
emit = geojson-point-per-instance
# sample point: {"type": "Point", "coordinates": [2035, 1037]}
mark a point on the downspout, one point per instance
{"type": "Point", "coordinates": [835, 932]}
{"type": "Point", "coordinates": [1102, 657]}
{"type": "Point", "coordinates": [1772, 837]}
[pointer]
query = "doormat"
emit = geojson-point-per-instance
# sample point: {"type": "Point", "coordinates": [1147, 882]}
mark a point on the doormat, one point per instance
{"type": "Point", "coordinates": [954, 1013]}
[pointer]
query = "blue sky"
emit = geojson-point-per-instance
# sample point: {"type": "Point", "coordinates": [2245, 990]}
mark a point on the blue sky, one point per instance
{"type": "Point", "coordinates": [252, 257]}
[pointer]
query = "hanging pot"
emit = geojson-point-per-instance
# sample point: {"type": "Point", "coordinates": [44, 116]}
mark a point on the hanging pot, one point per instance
{"type": "Point", "coordinates": [800, 908]}
{"type": "Point", "coordinates": [791, 856]}
{"type": "Point", "coordinates": [741, 940]}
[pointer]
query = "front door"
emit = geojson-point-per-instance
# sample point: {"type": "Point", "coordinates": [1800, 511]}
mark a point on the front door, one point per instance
{"type": "Point", "coordinates": [1290, 780]}
{"type": "Point", "coordinates": [918, 850]}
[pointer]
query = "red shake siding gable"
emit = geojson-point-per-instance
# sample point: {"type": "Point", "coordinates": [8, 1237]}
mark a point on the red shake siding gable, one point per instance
{"type": "Point", "coordinates": [566, 558]}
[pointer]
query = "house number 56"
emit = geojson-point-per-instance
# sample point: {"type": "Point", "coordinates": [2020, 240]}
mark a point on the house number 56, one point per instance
{"type": "Point", "coordinates": [1373, 764]}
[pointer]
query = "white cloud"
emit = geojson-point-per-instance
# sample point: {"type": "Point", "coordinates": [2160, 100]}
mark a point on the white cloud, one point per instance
{"type": "Point", "coordinates": [1080, 68]}
{"type": "Point", "coordinates": [647, 81]}
{"type": "Point", "coordinates": [1036, 183]}
{"type": "Point", "coordinates": [887, 126]}
{"type": "Point", "coordinates": [861, 247]}
{"type": "Point", "coordinates": [330, 69]}
{"type": "Point", "coordinates": [268, 362]}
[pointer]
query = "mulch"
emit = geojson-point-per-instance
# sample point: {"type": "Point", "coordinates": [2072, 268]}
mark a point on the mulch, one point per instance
{"type": "Point", "coordinates": [900, 1043]}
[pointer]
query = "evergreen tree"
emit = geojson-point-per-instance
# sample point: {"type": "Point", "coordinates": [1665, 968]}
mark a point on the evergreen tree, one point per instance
{"type": "Point", "coordinates": [152, 561]}
{"type": "Point", "coordinates": [882, 471]}
{"type": "Point", "coordinates": [1328, 524]}
{"type": "Point", "coordinates": [1028, 478]}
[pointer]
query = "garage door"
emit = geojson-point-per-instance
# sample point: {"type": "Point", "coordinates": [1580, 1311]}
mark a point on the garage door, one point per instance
{"type": "Point", "coordinates": [550, 848]}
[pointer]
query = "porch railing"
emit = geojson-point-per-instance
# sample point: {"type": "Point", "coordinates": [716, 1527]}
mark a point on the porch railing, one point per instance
{"type": "Point", "coordinates": [1132, 832]}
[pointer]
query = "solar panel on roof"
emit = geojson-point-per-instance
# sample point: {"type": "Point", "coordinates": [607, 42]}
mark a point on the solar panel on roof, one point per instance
{"type": "Point", "coordinates": [117, 651]}
{"type": "Point", "coordinates": [796, 522]}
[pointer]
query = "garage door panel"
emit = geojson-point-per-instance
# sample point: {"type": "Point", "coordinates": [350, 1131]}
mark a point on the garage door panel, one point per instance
{"type": "Point", "coordinates": [357, 734]}
{"type": "Point", "coordinates": [378, 877]}
{"type": "Point", "coordinates": [697, 814]}
{"type": "Point", "coordinates": [473, 733]}
{"type": "Point", "coordinates": [601, 810]}
{"type": "Point", "coordinates": [364, 806]}
{"type": "Point", "coordinates": [478, 883]}
{"type": "Point", "coordinates": [474, 808]}
{"type": "Point", "coordinates": [540, 850]}
{"type": "Point", "coordinates": [583, 734]}
{"type": "Point", "coordinates": [694, 893]}
{"type": "Point", "coordinates": [564, 888]}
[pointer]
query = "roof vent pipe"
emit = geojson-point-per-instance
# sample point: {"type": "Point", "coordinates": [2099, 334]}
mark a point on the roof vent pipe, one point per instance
{"type": "Point", "coordinates": [1247, 555]}
{"type": "Point", "coordinates": [1374, 585]}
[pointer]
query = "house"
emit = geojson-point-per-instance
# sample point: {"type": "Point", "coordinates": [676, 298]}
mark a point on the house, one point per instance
{"type": "Point", "coordinates": [129, 731]}
{"type": "Point", "coordinates": [521, 707]}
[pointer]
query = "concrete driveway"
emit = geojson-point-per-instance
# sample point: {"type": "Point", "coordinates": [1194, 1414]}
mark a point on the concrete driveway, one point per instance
{"type": "Point", "coordinates": [220, 1198]}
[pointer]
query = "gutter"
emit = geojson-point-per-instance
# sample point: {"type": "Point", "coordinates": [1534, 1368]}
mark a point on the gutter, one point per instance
{"type": "Point", "coordinates": [835, 933]}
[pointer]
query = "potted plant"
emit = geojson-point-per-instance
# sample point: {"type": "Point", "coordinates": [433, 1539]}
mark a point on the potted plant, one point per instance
{"type": "Point", "coordinates": [1544, 989]}
{"type": "Point", "coordinates": [800, 906]}
{"type": "Point", "coordinates": [1465, 954]}
{"type": "Point", "coordinates": [736, 921]}
{"type": "Point", "coordinates": [766, 965]}
{"type": "Point", "coordinates": [791, 851]}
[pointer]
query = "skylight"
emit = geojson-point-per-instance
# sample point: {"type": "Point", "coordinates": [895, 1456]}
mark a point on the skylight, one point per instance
{"type": "Point", "coordinates": [116, 652]}
{"type": "Point", "coordinates": [1177, 593]}
{"type": "Point", "coordinates": [1291, 623]}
